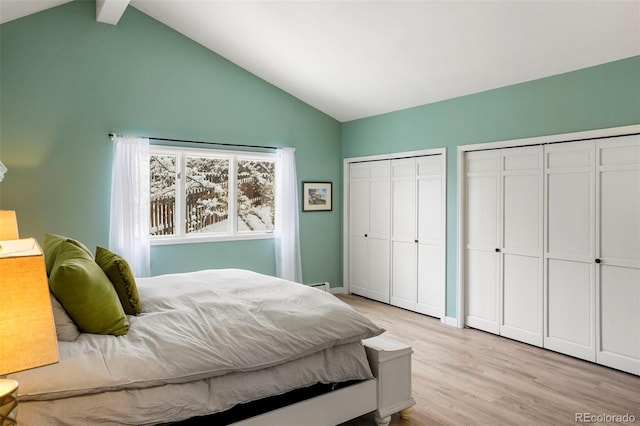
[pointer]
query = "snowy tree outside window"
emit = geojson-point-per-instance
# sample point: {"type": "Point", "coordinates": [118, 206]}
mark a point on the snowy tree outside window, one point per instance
{"type": "Point", "coordinates": [207, 186]}
{"type": "Point", "coordinates": [256, 206]}
{"type": "Point", "coordinates": [206, 194]}
{"type": "Point", "coordinates": [163, 194]}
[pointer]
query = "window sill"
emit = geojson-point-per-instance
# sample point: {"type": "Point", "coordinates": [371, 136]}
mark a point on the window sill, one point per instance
{"type": "Point", "coordinates": [163, 241]}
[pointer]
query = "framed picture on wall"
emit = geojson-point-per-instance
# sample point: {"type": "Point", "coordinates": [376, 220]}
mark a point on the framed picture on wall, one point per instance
{"type": "Point", "coordinates": [316, 197]}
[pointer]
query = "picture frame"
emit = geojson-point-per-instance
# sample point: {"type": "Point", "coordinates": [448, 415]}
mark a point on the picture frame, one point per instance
{"type": "Point", "coordinates": [317, 196]}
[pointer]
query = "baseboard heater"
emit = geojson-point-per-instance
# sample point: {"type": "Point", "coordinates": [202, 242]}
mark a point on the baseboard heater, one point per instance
{"type": "Point", "coordinates": [324, 286]}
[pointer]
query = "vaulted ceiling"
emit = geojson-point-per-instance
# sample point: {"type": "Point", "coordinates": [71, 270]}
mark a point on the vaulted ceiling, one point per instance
{"type": "Point", "coordinates": [357, 58]}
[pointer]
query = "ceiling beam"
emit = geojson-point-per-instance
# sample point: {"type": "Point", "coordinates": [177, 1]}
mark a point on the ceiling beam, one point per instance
{"type": "Point", "coordinates": [110, 11]}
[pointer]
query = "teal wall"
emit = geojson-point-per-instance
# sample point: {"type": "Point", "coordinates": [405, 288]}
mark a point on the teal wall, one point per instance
{"type": "Point", "coordinates": [593, 98]}
{"type": "Point", "coordinates": [67, 80]}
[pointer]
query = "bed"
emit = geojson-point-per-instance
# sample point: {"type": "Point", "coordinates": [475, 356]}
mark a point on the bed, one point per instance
{"type": "Point", "coordinates": [203, 343]}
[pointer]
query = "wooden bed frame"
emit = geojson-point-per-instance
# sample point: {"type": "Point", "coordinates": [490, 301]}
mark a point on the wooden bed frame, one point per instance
{"type": "Point", "coordinates": [388, 393]}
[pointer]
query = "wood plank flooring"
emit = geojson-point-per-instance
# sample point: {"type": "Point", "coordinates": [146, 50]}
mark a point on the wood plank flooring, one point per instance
{"type": "Point", "coordinates": [469, 377]}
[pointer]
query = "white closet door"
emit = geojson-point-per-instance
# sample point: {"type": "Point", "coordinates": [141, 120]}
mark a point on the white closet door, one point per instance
{"type": "Point", "coordinates": [393, 204]}
{"type": "Point", "coordinates": [379, 231]}
{"type": "Point", "coordinates": [431, 235]}
{"type": "Point", "coordinates": [358, 228]}
{"type": "Point", "coordinates": [618, 255]}
{"type": "Point", "coordinates": [569, 249]}
{"type": "Point", "coordinates": [403, 234]}
{"type": "Point", "coordinates": [482, 229]}
{"type": "Point", "coordinates": [521, 248]}
{"type": "Point", "coordinates": [369, 226]}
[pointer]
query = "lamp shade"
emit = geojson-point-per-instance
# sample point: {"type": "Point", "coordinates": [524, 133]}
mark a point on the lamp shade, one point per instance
{"type": "Point", "coordinates": [27, 331]}
{"type": "Point", "coordinates": [8, 225]}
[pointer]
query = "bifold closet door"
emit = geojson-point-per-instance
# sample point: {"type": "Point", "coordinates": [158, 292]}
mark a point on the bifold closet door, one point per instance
{"type": "Point", "coordinates": [552, 254]}
{"type": "Point", "coordinates": [482, 227]}
{"type": "Point", "coordinates": [504, 220]}
{"type": "Point", "coordinates": [358, 228]}
{"type": "Point", "coordinates": [431, 235]}
{"type": "Point", "coordinates": [569, 249]}
{"type": "Point", "coordinates": [618, 253]}
{"type": "Point", "coordinates": [521, 249]}
{"type": "Point", "coordinates": [404, 247]}
{"type": "Point", "coordinates": [417, 234]}
{"type": "Point", "coordinates": [369, 229]}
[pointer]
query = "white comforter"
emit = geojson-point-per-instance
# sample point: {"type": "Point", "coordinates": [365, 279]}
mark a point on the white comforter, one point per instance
{"type": "Point", "coordinates": [197, 325]}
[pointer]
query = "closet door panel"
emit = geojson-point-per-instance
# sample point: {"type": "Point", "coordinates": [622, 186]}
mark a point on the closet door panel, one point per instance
{"type": "Point", "coordinates": [430, 211]}
{"type": "Point", "coordinates": [379, 208]}
{"type": "Point", "coordinates": [522, 213]}
{"type": "Point", "coordinates": [369, 225]}
{"type": "Point", "coordinates": [482, 291]}
{"type": "Point", "coordinates": [404, 210]}
{"type": "Point", "coordinates": [403, 233]}
{"type": "Point", "coordinates": [620, 216]}
{"type": "Point", "coordinates": [358, 207]}
{"type": "Point", "coordinates": [404, 280]}
{"type": "Point", "coordinates": [379, 269]}
{"type": "Point", "coordinates": [483, 211]}
{"type": "Point", "coordinates": [569, 249]}
{"type": "Point", "coordinates": [379, 234]}
{"type": "Point", "coordinates": [619, 345]}
{"type": "Point", "coordinates": [618, 278]}
{"type": "Point", "coordinates": [431, 235]}
{"type": "Point", "coordinates": [522, 298]}
{"type": "Point", "coordinates": [482, 237]}
{"type": "Point", "coordinates": [379, 230]}
{"type": "Point", "coordinates": [358, 228]}
{"type": "Point", "coordinates": [570, 218]}
{"type": "Point", "coordinates": [570, 308]}
{"type": "Point", "coordinates": [431, 280]}
{"type": "Point", "coordinates": [522, 202]}
{"type": "Point", "coordinates": [359, 265]}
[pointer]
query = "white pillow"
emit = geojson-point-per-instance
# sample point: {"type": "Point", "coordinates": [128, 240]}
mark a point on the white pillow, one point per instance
{"type": "Point", "coordinates": [65, 327]}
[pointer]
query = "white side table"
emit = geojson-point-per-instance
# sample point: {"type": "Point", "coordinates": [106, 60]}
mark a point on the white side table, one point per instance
{"type": "Point", "coordinates": [390, 361]}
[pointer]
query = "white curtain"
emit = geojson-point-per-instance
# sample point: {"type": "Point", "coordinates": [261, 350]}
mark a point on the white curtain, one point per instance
{"type": "Point", "coordinates": [288, 263]}
{"type": "Point", "coordinates": [129, 220]}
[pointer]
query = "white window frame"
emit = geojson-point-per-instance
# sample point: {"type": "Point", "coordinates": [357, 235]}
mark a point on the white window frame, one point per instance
{"type": "Point", "coordinates": [181, 237]}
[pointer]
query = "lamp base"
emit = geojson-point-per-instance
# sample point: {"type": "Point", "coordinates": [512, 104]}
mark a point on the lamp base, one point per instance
{"type": "Point", "coordinates": [8, 402]}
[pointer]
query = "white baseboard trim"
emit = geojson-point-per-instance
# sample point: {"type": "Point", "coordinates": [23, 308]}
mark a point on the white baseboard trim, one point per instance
{"type": "Point", "coordinates": [452, 321]}
{"type": "Point", "coordinates": [337, 290]}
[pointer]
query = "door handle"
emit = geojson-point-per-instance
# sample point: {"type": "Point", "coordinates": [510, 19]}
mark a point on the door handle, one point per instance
{"type": "Point", "coordinates": [497, 250]}
{"type": "Point", "coordinates": [598, 261]}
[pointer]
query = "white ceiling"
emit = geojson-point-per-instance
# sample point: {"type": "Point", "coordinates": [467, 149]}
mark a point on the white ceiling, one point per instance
{"type": "Point", "coordinates": [357, 58]}
{"type": "Point", "coordinates": [14, 9]}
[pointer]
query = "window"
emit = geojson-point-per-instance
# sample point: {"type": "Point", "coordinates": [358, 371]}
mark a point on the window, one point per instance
{"type": "Point", "coordinates": [206, 195]}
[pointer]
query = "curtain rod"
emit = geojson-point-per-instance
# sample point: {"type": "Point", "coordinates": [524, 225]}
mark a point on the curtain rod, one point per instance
{"type": "Point", "coordinates": [112, 135]}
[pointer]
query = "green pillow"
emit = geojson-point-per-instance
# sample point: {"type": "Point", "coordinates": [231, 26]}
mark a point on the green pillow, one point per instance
{"type": "Point", "coordinates": [120, 275]}
{"type": "Point", "coordinates": [85, 292]}
{"type": "Point", "coordinates": [52, 245]}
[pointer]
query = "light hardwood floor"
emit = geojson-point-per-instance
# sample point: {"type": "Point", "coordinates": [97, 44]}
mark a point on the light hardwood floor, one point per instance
{"type": "Point", "coordinates": [468, 377]}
